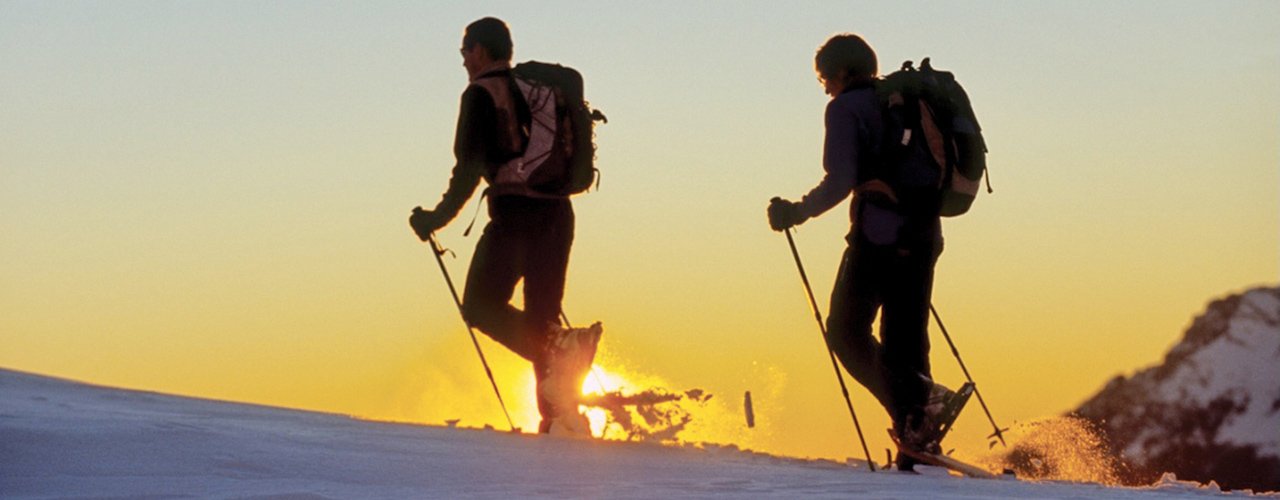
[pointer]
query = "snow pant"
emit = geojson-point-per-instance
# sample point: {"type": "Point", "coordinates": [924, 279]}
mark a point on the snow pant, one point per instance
{"type": "Point", "coordinates": [526, 239]}
{"type": "Point", "coordinates": [897, 281]}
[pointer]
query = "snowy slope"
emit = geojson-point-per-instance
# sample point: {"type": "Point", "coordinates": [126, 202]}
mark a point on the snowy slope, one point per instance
{"type": "Point", "coordinates": [1212, 408]}
{"type": "Point", "coordinates": [65, 439]}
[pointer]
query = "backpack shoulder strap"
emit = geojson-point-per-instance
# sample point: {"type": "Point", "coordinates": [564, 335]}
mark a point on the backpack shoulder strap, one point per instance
{"type": "Point", "coordinates": [509, 105]}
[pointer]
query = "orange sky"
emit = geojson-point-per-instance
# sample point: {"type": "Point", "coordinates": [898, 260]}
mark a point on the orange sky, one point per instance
{"type": "Point", "coordinates": [210, 199]}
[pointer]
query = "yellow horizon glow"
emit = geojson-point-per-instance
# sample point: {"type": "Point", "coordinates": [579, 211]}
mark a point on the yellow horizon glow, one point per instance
{"type": "Point", "coordinates": [211, 200]}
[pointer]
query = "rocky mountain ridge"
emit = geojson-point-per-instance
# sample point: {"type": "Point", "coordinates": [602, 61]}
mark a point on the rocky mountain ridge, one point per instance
{"type": "Point", "coordinates": [1211, 409]}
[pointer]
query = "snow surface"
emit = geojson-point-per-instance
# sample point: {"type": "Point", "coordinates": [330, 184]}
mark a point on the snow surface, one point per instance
{"type": "Point", "coordinates": [66, 439]}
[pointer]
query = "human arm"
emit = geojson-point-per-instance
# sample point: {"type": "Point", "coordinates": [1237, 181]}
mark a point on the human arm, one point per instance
{"type": "Point", "coordinates": [839, 160]}
{"type": "Point", "coordinates": [474, 139]}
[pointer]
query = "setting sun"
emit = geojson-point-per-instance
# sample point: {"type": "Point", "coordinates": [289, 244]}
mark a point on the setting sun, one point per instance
{"type": "Point", "coordinates": [600, 381]}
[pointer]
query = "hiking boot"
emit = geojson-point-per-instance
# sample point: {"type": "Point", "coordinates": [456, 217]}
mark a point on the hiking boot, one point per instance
{"type": "Point", "coordinates": [917, 432]}
{"type": "Point", "coordinates": [903, 463]}
{"type": "Point", "coordinates": [910, 437]}
{"type": "Point", "coordinates": [939, 396]}
{"type": "Point", "coordinates": [944, 406]}
{"type": "Point", "coordinates": [569, 353]}
{"type": "Point", "coordinates": [923, 430]}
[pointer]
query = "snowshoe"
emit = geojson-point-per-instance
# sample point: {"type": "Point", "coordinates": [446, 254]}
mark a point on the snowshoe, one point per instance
{"type": "Point", "coordinates": [922, 431]}
{"type": "Point", "coordinates": [909, 457]}
{"type": "Point", "coordinates": [944, 407]}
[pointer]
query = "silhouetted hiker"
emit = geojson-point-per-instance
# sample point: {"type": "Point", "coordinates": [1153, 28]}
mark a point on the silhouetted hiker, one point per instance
{"type": "Point", "coordinates": [893, 242]}
{"type": "Point", "coordinates": [528, 236]}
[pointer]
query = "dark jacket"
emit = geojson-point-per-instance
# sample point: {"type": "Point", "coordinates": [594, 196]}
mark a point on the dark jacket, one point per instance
{"type": "Point", "coordinates": [854, 132]}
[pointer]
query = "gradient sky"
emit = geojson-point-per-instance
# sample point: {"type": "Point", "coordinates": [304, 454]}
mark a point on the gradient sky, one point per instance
{"type": "Point", "coordinates": [210, 198]}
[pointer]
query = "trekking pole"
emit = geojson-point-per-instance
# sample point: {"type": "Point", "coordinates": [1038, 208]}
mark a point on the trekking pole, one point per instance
{"type": "Point", "coordinates": [439, 253]}
{"type": "Point", "coordinates": [998, 433]}
{"type": "Point", "coordinates": [813, 303]}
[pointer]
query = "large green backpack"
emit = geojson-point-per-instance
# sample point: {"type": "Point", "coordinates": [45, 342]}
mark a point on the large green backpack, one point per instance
{"type": "Point", "coordinates": [933, 155]}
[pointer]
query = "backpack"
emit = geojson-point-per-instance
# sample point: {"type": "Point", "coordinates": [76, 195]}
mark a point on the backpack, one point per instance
{"type": "Point", "coordinates": [933, 155]}
{"type": "Point", "coordinates": [558, 158]}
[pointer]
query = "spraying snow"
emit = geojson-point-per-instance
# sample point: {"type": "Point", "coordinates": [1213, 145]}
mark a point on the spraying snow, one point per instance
{"type": "Point", "coordinates": [1059, 449]}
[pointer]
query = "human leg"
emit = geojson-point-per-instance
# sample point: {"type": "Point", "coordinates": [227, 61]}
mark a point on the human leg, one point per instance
{"type": "Point", "coordinates": [904, 328]}
{"type": "Point", "coordinates": [547, 265]}
{"type": "Point", "coordinates": [854, 302]}
{"type": "Point", "coordinates": [904, 332]}
{"type": "Point", "coordinates": [569, 352]}
{"type": "Point", "coordinates": [496, 268]}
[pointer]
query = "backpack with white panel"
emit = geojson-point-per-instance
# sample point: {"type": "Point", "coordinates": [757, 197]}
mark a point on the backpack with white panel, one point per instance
{"type": "Point", "coordinates": [558, 159]}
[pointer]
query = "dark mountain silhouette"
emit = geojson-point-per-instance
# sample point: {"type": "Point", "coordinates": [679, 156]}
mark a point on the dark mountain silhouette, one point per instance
{"type": "Point", "coordinates": [1211, 409]}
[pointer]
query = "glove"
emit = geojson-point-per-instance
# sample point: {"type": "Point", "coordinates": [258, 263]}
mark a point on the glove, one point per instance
{"type": "Point", "coordinates": [784, 214]}
{"type": "Point", "coordinates": [425, 222]}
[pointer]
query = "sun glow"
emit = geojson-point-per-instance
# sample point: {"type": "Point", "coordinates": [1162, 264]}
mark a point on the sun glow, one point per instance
{"type": "Point", "coordinates": [600, 381]}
